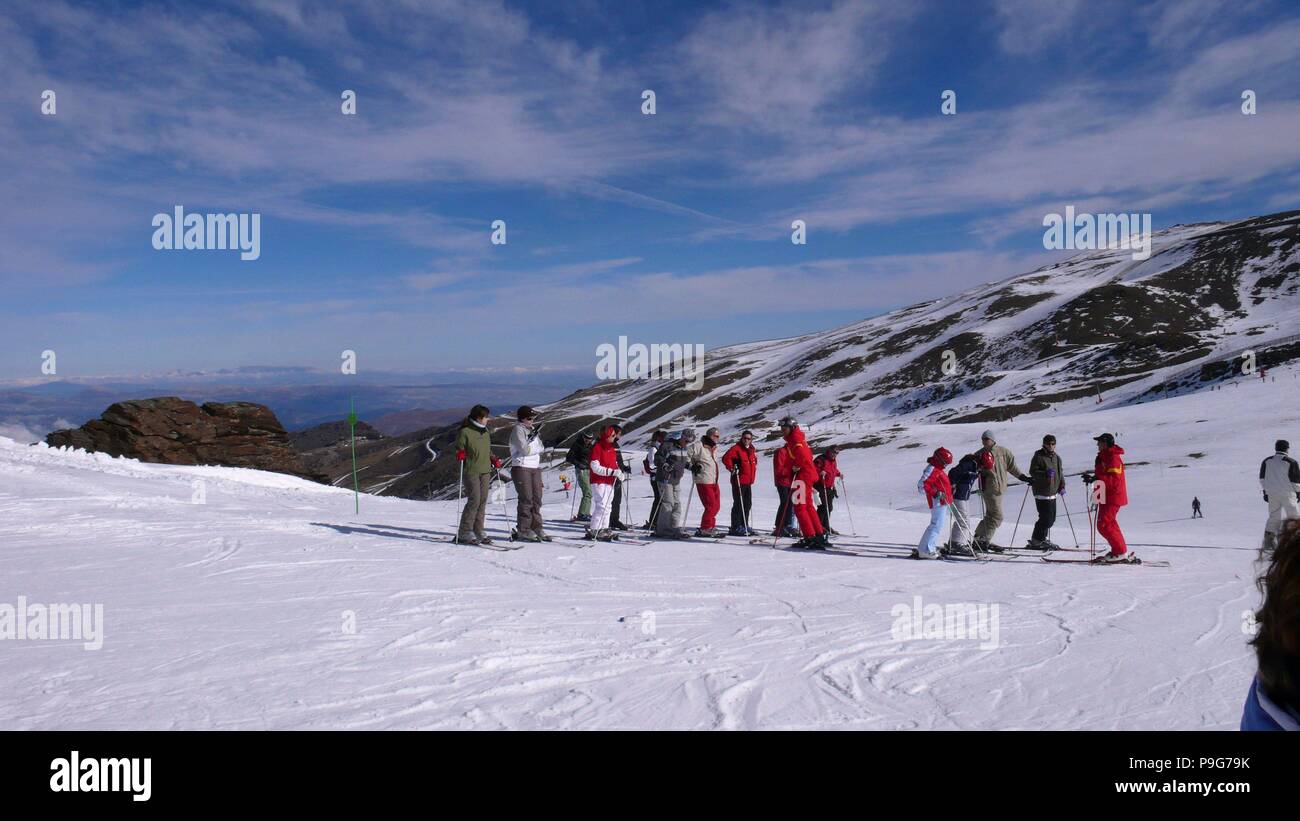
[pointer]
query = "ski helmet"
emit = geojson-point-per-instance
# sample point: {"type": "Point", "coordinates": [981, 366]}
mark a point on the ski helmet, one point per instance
{"type": "Point", "coordinates": [788, 422]}
{"type": "Point", "coordinates": [943, 455]}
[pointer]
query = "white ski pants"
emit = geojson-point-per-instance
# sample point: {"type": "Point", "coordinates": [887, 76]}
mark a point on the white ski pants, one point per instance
{"type": "Point", "coordinates": [602, 503]}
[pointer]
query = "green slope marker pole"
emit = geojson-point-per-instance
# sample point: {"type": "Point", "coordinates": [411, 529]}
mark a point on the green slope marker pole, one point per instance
{"type": "Point", "coordinates": [352, 424]}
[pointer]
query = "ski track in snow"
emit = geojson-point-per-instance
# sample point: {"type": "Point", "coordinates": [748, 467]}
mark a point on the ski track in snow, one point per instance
{"type": "Point", "coordinates": [231, 614]}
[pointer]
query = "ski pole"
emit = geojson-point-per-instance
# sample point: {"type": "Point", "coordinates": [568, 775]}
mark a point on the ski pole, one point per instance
{"type": "Point", "coordinates": [460, 487]}
{"type": "Point", "coordinates": [573, 500]}
{"type": "Point", "coordinates": [848, 507]}
{"type": "Point", "coordinates": [627, 499]}
{"type": "Point", "coordinates": [1018, 515]}
{"type": "Point", "coordinates": [1071, 521]}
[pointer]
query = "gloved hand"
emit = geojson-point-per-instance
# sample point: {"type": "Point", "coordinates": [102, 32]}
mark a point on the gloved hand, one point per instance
{"type": "Point", "coordinates": [697, 468]}
{"type": "Point", "coordinates": [1089, 478]}
{"type": "Point", "coordinates": [460, 454]}
{"type": "Point", "coordinates": [1062, 490]}
{"type": "Point", "coordinates": [938, 497]}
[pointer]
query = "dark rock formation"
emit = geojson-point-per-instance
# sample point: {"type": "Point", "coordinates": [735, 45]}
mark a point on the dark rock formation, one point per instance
{"type": "Point", "coordinates": [173, 431]}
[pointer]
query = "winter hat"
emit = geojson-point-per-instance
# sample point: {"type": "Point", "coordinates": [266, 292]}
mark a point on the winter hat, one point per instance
{"type": "Point", "coordinates": [1281, 446]}
{"type": "Point", "coordinates": [586, 434]}
{"type": "Point", "coordinates": [525, 412]}
{"type": "Point", "coordinates": [1106, 439]}
{"type": "Point", "coordinates": [988, 434]}
{"type": "Point", "coordinates": [687, 435]}
{"type": "Point", "coordinates": [943, 455]}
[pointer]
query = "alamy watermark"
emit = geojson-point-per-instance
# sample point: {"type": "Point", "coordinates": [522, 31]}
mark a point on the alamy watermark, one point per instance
{"type": "Point", "coordinates": [960, 621]}
{"type": "Point", "coordinates": [179, 231]}
{"type": "Point", "coordinates": [655, 361]}
{"type": "Point", "coordinates": [53, 622]}
{"type": "Point", "coordinates": [1091, 232]}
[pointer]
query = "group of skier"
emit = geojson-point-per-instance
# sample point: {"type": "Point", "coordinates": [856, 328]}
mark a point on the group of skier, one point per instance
{"type": "Point", "coordinates": [992, 467]}
{"type": "Point", "coordinates": [807, 487]}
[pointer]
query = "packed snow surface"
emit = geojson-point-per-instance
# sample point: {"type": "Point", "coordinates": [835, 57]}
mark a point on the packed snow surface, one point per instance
{"type": "Point", "coordinates": [271, 604]}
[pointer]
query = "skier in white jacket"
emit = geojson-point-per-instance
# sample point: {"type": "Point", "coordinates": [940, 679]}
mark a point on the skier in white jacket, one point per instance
{"type": "Point", "coordinates": [526, 470]}
{"type": "Point", "coordinates": [1279, 478]}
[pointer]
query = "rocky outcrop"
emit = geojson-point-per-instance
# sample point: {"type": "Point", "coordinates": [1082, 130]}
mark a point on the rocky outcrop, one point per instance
{"type": "Point", "coordinates": [174, 431]}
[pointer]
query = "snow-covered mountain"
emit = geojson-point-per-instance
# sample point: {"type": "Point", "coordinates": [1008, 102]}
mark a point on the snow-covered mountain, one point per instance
{"type": "Point", "coordinates": [1100, 324]}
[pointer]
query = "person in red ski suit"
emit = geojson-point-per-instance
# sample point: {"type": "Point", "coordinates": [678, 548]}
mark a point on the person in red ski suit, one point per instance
{"type": "Point", "coordinates": [1109, 470]}
{"type": "Point", "coordinates": [805, 479]}
{"type": "Point", "coordinates": [783, 477]}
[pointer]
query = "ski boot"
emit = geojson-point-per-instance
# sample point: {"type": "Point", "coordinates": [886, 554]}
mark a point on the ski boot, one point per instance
{"type": "Point", "coordinates": [959, 550]}
{"type": "Point", "coordinates": [590, 535]}
{"type": "Point", "coordinates": [470, 539]}
{"type": "Point", "coordinates": [1117, 558]}
{"type": "Point", "coordinates": [606, 535]}
{"type": "Point", "coordinates": [542, 535]}
{"type": "Point", "coordinates": [819, 542]}
{"type": "Point", "coordinates": [619, 526]}
{"type": "Point", "coordinates": [483, 540]}
{"type": "Point", "coordinates": [917, 554]}
{"type": "Point", "coordinates": [1037, 544]}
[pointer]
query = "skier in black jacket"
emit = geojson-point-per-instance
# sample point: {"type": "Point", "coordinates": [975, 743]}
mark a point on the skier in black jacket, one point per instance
{"type": "Point", "coordinates": [580, 457]}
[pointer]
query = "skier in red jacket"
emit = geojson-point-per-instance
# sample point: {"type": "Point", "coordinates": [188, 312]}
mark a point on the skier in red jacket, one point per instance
{"type": "Point", "coordinates": [1113, 494]}
{"type": "Point", "coordinates": [783, 477]}
{"type": "Point", "coordinates": [605, 471]}
{"type": "Point", "coordinates": [801, 491]}
{"type": "Point", "coordinates": [937, 488]}
{"type": "Point", "coordinates": [828, 473]}
{"type": "Point", "coordinates": [741, 460]}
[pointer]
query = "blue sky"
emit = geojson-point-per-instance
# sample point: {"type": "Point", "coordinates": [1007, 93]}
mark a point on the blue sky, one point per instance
{"type": "Point", "coordinates": [664, 228]}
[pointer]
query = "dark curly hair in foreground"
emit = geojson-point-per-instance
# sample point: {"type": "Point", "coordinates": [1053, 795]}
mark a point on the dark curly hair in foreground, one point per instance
{"type": "Point", "coordinates": [1277, 642]}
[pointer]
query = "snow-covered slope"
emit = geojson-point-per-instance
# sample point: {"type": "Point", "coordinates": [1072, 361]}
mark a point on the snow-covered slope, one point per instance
{"type": "Point", "coordinates": [233, 613]}
{"type": "Point", "coordinates": [1052, 340]}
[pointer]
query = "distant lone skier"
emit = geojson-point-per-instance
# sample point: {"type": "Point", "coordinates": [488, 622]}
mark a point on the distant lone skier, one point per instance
{"type": "Point", "coordinates": [997, 463]}
{"type": "Point", "coordinates": [1279, 478]}
{"type": "Point", "coordinates": [1196, 509]}
{"type": "Point", "coordinates": [1109, 470]}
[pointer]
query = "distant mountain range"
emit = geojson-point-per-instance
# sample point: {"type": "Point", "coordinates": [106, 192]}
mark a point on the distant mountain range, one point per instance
{"type": "Point", "coordinates": [300, 397]}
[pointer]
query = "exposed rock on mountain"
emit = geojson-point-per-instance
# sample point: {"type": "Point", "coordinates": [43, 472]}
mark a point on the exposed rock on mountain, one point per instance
{"type": "Point", "coordinates": [174, 431]}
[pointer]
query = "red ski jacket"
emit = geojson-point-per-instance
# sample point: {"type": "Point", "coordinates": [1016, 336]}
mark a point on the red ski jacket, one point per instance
{"type": "Point", "coordinates": [801, 455]}
{"type": "Point", "coordinates": [607, 457]}
{"type": "Point", "coordinates": [746, 459]}
{"type": "Point", "coordinates": [1110, 470]}
{"type": "Point", "coordinates": [828, 470]}
{"type": "Point", "coordinates": [936, 483]}
{"type": "Point", "coordinates": [782, 467]}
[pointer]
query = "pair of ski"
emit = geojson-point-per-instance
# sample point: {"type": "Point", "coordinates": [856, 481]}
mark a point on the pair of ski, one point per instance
{"type": "Point", "coordinates": [497, 546]}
